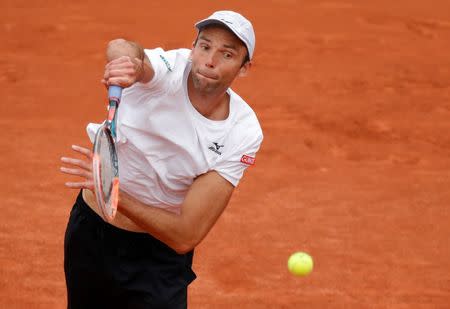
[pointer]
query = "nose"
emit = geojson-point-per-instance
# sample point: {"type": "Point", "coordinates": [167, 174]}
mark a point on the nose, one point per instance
{"type": "Point", "coordinates": [210, 60]}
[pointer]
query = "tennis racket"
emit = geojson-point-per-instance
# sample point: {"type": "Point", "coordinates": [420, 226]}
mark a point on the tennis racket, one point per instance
{"type": "Point", "coordinates": [105, 167]}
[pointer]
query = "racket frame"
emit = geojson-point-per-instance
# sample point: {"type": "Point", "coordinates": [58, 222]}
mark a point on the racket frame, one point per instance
{"type": "Point", "coordinates": [108, 209]}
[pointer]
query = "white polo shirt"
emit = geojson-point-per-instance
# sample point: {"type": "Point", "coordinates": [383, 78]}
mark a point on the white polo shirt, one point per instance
{"type": "Point", "coordinates": [164, 143]}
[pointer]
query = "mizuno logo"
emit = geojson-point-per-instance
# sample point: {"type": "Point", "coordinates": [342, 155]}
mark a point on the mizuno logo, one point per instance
{"type": "Point", "coordinates": [216, 148]}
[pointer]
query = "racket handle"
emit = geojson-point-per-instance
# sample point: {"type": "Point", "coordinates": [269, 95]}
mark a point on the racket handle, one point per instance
{"type": "Point", "coordinates": [115, 93]}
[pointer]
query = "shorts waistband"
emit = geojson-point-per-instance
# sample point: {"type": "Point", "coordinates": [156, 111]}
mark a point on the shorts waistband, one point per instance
{"type": "Point", "coordinates": [121, 234]}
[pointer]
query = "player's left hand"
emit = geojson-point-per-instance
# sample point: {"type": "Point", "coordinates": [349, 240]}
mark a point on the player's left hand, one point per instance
{"type": "Point", "coordinates": [79, 167]}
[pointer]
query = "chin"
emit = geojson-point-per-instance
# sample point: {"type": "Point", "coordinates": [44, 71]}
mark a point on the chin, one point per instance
{"type": "Point", "coordinates": [203, 85]}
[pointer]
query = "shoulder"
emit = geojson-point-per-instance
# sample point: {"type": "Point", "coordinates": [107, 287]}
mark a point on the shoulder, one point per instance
{"type": "Point", "coordinates": [243, 140]}
{"type": "Point", "coordinates": [169, 60]}
{"type": "Point", "coordinates": [245, 117]}
{"type": "Point", "coordinates": [168, 66]}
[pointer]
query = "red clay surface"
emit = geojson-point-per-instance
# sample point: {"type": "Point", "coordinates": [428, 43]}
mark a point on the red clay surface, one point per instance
{"type": "Point", "coordinates": [354, 100]}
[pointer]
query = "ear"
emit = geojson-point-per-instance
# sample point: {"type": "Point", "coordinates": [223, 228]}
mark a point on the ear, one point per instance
{"type": "Point", "coordinates": [243, 71]}
{"type": "Point", "coordinates": [192, 50]}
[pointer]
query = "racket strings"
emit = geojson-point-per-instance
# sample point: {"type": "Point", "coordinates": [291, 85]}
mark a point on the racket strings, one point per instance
{"type": "Point", "coordinates": [106, 173]}
{"type": "Point", "coordinates": [106, 166]}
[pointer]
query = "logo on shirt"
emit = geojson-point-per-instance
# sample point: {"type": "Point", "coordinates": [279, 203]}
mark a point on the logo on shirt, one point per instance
{"type": "Point", "coordinates": [248, 160]}
{"type": "Point", "coordinates": [216, 148]}
{"type": "Point", "coordinates": [166, 63]}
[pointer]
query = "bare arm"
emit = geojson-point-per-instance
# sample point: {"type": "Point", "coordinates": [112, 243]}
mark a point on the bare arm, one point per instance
{"type": "Point", "coordinates": [127, 64]}
{"type": "Point", "coordinates": [204, 203]}
{"type": "Point", "coordinates": [206, 200]}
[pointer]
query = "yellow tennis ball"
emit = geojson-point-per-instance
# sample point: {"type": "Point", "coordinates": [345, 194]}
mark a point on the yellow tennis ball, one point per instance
{"type": "Point", "coordinates": [300, 264]}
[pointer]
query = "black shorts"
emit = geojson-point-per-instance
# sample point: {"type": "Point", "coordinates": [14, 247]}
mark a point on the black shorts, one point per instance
{"type": "Point", "coordinates": [108, 267]}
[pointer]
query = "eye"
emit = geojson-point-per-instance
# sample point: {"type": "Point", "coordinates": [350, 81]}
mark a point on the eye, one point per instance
{"type": "Point", "coordinates": [227, 55]}
{"type": "Point", "coordinates": [204, 47]}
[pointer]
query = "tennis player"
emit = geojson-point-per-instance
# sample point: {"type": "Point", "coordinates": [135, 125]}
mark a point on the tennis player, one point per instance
{"type": "Point", "coordinates": [184, 139]}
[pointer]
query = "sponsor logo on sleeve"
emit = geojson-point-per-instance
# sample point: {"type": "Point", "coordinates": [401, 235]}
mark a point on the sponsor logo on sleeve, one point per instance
{"type": "Point", "coordinates": [166, 63]}
{"type": "Point", "coordinates": [248, 160]}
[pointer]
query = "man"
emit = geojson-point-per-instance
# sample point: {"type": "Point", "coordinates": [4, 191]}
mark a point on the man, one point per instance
{"type": "Point", "coordinates": [184, 139]}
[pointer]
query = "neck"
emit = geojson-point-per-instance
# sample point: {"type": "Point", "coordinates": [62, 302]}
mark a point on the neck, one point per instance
{"type": "Point", "coordinates": [212, 105]}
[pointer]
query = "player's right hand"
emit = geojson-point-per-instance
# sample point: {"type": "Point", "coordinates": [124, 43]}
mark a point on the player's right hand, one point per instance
{"type": "Point", "coordinates": [123, 72]}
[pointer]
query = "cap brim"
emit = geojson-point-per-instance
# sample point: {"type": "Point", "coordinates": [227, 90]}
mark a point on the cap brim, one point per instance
{"type": "Point", "coordinates": [211, 21]}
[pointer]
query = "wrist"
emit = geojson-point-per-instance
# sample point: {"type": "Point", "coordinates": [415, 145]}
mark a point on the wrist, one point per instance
{"type": "Point", "coordinates": [140, 72]}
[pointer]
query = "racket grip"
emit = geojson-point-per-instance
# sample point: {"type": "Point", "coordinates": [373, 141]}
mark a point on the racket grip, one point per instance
{"type": "Point", "coordinates": [115, 93]}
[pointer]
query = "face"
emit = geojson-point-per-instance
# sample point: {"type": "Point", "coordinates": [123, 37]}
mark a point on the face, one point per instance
{"type": "Point", "coordinates": [217, 59]}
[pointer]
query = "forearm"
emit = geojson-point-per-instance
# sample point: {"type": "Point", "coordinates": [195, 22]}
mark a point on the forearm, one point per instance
{"type": "Point", "coordinates": [121, 47]}
{"type": "Point", "coordinates": [168, 227]}
{"type": "Point", "coordinates": [204, 203]}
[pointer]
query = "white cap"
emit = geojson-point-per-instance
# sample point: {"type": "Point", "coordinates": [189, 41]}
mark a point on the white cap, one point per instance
{"type": "Point", "coordinates": [237, 23]}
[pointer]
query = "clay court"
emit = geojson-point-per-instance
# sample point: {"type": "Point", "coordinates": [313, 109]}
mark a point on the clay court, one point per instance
{"type": "Point", "coordinates": [354, 100]}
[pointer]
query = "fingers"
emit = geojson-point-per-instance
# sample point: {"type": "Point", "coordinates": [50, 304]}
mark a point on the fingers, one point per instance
{"type": "Point", "coordinates": [76, 162]}
{"type": "Point", "coordinates": [80, 185]}
{"type": "Point", "coordinates": [80, 168]}
{"type": "Point", "coordinates": [121, 59]}
{"type": "Point", "coordinates": [84, 151]}
{"type": "Point", "coordinates": [122, 71]}
{"type": "Point", "coordinates": [85, 165]}
{"type": "Point", "coordinates": [76, 172]}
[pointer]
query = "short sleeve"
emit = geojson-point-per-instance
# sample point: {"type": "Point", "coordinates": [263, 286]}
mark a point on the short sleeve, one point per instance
{"type": "Point", "coordinates": [242, 156]}
{"type": "Point", "coordinates": [162, 63]}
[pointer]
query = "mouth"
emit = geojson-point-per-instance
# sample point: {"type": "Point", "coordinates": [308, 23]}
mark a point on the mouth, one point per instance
{"type": "Point", "coordinates": [208, 76]}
